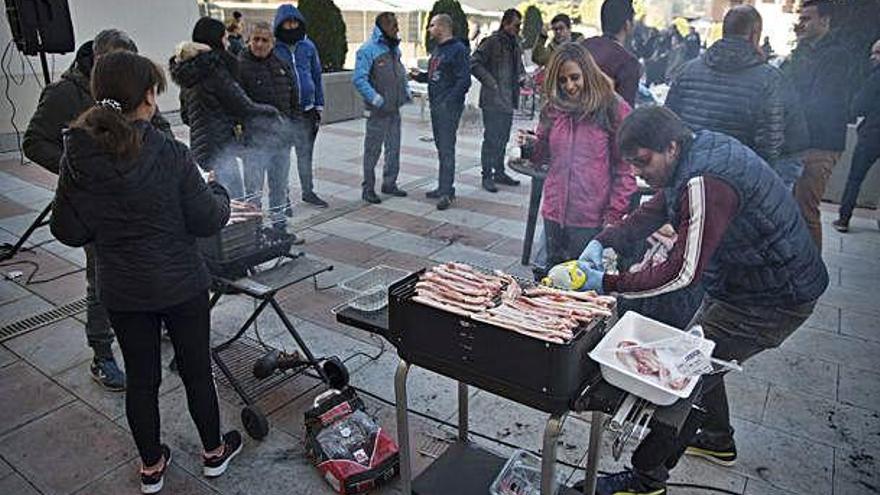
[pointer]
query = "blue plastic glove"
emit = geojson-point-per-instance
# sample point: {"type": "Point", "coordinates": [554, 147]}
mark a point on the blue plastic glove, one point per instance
{"type": "Point", "coordinates": [592, 254]}
{"type": "Point", "coordinates": [594, 280]}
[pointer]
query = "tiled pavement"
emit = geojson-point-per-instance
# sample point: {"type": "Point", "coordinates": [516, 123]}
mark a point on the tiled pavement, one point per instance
{"type": "Point", "coordinates": [807, 414]}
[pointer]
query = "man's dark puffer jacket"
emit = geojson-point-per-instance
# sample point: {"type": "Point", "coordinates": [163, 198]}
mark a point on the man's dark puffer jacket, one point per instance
{"type": "Point", "coordinates": [267, 81]}
{"type": "Point", "coordinates": [211, 102]}
{"type": "Point", "coordinates": [142, 215]}
{"type": "Point", "coordinates": [732, 90]}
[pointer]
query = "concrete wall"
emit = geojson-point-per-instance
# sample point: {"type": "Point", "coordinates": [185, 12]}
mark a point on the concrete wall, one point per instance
{"type": "Point", "coordinates": [155, 25]}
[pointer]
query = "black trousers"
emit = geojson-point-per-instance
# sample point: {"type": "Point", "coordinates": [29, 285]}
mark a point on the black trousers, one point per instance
{"type": "Point", "coordinates": [189, 326]}
{"type": "Point", "coordinates": [739, 333]}
{"type": "Point", "coordinates": [496, 133]}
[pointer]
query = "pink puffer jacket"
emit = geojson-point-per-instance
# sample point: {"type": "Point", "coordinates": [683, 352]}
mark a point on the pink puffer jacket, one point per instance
{"type": "Point", "coordinates": [582, 189]}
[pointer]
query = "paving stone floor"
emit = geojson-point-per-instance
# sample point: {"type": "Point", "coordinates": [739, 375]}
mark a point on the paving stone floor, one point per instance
{"type": "Point", "coordinates": [807, 414]}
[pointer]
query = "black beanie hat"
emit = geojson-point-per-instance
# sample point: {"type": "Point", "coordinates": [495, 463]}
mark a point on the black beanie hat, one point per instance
{"type": "Point", "coordinates": [210, 32]}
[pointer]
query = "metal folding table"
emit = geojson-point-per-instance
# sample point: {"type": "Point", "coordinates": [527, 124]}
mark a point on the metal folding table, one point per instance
{"type": "Point", "coordinates": [465, 462]}
{"type": "Point", "coordinates": [234, 358]}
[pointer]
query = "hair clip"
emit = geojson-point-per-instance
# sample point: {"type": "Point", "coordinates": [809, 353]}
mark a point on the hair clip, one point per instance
{"type": "Point", "coordinates": [111, 104]}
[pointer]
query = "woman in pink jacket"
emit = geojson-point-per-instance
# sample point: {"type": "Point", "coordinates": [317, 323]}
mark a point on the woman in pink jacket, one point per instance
{"type": "Point", "coordinates": [588, 185]}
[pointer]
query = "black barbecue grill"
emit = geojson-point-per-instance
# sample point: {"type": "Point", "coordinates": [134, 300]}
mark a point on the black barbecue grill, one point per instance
{"type": "Point", "coordinates": [539, 374]}
{"type": "Point", "coordinates": [239, 247]}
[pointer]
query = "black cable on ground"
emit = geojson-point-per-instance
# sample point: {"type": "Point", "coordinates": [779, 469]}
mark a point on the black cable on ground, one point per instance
{"type": "Point", "coordinates": [30, 279]}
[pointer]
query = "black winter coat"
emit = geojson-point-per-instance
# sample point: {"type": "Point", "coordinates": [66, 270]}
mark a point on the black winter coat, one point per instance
{"type": "Point", "coordinates": [819, 73]}
{"type": "Point", "coordinates": [732, 90]}
{"type": "Point", "coordinates": [268, 81]}
{"type": "Point", "coordinates": [60, 103]}
{"type": "Point", "coordinates": [867, 104]}
{"type": "Point", "coordinates": [142, 215]}
{"type": "Point", "coordinates": [497, 64]}
{"type": "Point", "coordinates": [211, 102]}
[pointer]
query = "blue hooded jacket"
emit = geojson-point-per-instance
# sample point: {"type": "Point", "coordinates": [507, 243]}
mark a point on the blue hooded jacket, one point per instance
{"type": "Point", "coordinates": [367, 54]}
{"type": "Point", "coordinates": [302, 57]}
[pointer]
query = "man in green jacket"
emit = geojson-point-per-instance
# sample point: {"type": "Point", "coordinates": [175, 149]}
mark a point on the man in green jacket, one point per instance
{"type": "Point", "coordinates": [561, 26]}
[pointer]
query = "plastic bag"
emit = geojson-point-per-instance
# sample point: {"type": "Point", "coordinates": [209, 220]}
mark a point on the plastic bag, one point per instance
{"type": "Point", "coordinates": [674, 361]}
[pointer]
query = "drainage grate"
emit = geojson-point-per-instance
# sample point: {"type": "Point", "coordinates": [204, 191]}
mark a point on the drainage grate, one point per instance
{"type": "Point", "coordinates": [34, 322]}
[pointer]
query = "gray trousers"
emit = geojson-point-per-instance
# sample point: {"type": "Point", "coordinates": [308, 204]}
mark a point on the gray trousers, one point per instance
{"type": "Point", "coordinates": [98, 332]}
{"type": "Point", "coordinates": [383, 129]}
{"type": "Point", "coordinates": [274, 165]}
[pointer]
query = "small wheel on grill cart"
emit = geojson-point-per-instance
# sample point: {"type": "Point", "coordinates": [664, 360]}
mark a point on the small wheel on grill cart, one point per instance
{"type": "Point", "coordinates": [255, 423]}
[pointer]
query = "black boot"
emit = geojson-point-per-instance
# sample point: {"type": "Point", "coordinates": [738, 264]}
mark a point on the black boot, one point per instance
{"type": "Point", "coordinates": [489, 185]}
{"type": "Point", "coordinates": [369, 196]}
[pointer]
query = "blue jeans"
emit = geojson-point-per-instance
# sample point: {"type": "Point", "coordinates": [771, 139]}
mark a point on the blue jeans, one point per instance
{"type": "Point", "coordinates": [866, 154]}
{"type": "Point", "coordinates": [228, 174]}
{"type": "Point", "coordinates": [444, 124]}
{"type": "Point", "coordinates": [789, 168]}
{"type": "Point", "coordinates": [305, 131]}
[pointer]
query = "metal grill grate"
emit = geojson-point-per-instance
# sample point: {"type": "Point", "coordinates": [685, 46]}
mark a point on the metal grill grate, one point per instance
{"type": "Point", "coordinates": [34, 322]}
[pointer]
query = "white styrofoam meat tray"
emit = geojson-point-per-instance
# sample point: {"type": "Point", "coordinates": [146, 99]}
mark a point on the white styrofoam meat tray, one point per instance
{"type": "Point", "coordinates": [635, 327]}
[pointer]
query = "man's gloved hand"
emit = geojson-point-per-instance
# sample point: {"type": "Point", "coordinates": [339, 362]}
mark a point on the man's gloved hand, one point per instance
{"type": "Point", "coordinates": [592, 254]}
{"type": "Point", "coordinates": [594, 279]}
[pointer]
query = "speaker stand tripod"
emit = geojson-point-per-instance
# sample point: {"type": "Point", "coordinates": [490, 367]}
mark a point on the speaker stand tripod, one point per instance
{"type": "Point", "coordinates": [8, 251]}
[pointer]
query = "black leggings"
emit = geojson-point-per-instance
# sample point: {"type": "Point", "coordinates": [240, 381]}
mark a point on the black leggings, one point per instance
{"type": "Point", "coordinates": [189, 326]}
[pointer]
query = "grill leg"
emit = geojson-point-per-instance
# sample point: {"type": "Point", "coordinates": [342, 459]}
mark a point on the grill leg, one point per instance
{"type": "Point", "coordinates": [403, 426]}
{"type": "Point", "coordinates": [596, 430]}
{"type": "Point", "coordinates": [462, 411]}
{"type": "Point", "coordinates": [548, 456]}
{"type": "Point", "coordinates": [299, 341]}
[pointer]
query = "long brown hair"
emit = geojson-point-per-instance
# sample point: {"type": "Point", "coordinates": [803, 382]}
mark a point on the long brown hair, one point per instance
{"type": "Point", "coordinates": [597, 101]}
{"type": "Point", "coordinates": [119, 82]}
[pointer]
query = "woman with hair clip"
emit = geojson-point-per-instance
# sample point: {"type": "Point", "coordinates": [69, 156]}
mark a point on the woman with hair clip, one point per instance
{"type": "Point", "coordinates": [588, 186]}
{"type": "Point", "coordinates": [137, 195]}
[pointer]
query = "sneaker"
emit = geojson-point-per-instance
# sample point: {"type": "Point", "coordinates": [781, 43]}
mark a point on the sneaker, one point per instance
{"type": "Point", "coordinates": [313, 199]}
{"type": "Point", "coordinates": [841, 225]}
{"type": "Point", "coordinates": [624, 483]}
{"type": "Point", "coordinates": [444, 203]}
{"type": "Point", "coordinates": [489, 185]}
{"type": "Point", "coordinates": [370, 197]}
{"type": "Point", "coordinates": [394, 191]}
{"type": "Point", "coordinates": [215, 466]}
{"type": "Point", "coordinates": [152, 483]}
{"type": "Point", "coordinates": [433, 194]}
{"type": "Point", "coordinates": [106, 372]}
{"type": "Point", "coordinates": [505, 180]}
{"type": "Point", "coordinates": [723, 455]}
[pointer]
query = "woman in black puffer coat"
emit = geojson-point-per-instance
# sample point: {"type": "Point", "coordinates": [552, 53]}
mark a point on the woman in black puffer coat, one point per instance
{"type": "Point", "coordinates": [137, 196]}
{"type": "Point", "coordinates": [212, 103]}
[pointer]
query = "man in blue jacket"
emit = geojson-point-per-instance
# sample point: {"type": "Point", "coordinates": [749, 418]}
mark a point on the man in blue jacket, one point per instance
{"type": "Point", "coordinates": [380, 78]}
{"type": "Point", "coordinates": [449, 79]}
{"type": "Point", "coordinates": [297, 50]}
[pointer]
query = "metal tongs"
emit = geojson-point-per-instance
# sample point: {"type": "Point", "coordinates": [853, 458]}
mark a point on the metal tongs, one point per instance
{"type": "Point", "coordinates": [631, 419]}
